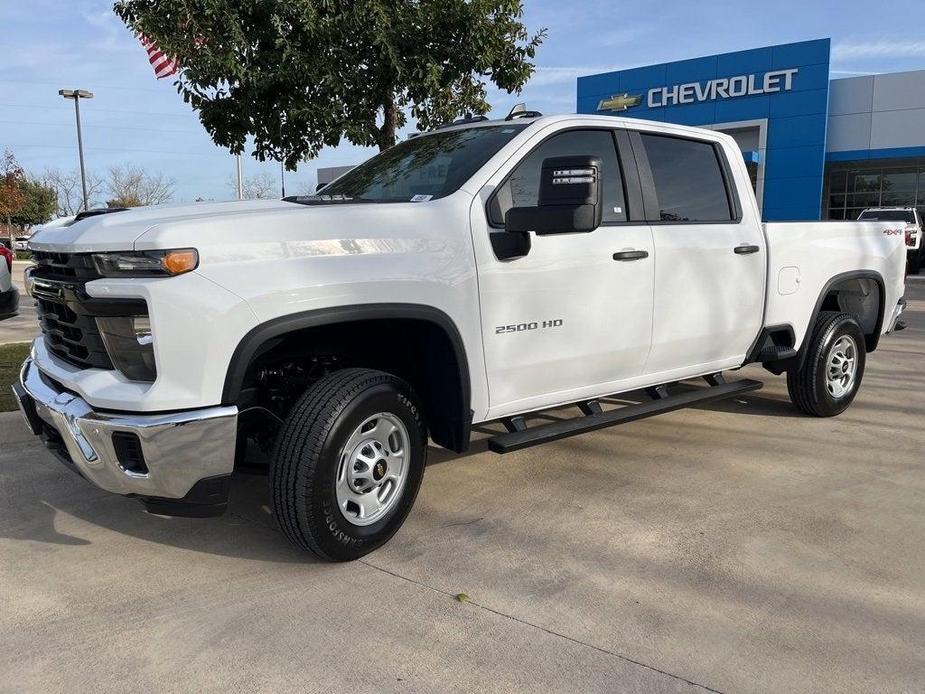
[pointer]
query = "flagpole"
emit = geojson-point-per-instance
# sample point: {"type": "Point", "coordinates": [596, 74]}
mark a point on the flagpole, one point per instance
{"type": "Point", "coordinates": [240, 167]}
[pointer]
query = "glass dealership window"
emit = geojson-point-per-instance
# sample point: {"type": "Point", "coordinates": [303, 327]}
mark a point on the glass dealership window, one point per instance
{"type": "Point", "coordinates": [849, 191]}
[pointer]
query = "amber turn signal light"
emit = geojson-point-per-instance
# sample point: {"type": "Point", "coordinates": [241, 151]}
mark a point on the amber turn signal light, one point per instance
{"type": "Point", "coordinates": [178, 262]}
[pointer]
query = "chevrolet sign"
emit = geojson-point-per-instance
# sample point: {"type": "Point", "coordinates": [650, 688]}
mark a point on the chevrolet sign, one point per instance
{"type": "Point", "coordinates": [722, 88]}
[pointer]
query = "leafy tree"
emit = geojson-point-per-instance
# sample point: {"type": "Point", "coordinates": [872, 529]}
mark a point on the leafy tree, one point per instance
{"type": "Point", "coordinates": [39, 204]}
{"type": "Point", "coordinates": [298, 75]}
{"type": "Point", "coordinates": [11, 195]}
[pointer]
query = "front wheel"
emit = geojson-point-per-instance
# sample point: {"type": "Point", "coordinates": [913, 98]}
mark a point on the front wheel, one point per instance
{"type": "Point", "coordinates": [831, 373]}
{"type": "Point", "coordinates": [348, 464]}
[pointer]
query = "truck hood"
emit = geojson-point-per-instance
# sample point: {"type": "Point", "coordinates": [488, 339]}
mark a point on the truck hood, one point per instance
{"type": "Point", "coordinates": [118, 231]}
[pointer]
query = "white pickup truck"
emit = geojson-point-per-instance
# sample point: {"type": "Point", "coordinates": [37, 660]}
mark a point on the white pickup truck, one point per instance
{"type": "Point", "coordinates": [914, 230]}
{"type": "Point", "coordinates": [484, 271]}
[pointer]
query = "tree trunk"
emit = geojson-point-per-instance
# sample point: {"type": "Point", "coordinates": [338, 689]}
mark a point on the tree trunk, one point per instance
{"type": "Point", "coordinates": [386, 135]}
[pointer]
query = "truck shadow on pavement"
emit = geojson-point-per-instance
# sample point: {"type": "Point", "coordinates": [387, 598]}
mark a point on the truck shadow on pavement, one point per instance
{"type": "Point", "coordinates": [50, 505]}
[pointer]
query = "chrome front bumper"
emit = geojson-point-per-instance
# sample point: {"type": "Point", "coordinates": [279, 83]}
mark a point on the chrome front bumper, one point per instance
{"type": "Point", "coordinates": [179, 451]}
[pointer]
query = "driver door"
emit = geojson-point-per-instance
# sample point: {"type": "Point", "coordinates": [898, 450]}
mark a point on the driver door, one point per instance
{"type": "Point", "coordinates": [573, 317]}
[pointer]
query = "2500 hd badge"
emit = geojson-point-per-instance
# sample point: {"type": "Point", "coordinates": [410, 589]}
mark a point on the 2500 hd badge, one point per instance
{"type": "Point", "coordinates": [533, 325]}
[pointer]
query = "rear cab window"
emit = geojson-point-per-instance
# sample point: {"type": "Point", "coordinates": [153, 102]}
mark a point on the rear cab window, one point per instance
{"type": "Point", "coordinates": [689, 180]}
{"type": "Point", "coordinates": [887, 216]}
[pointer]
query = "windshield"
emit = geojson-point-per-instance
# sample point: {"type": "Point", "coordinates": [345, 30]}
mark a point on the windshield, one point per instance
{"type": "Point", "coordinates": [887, 216]}
{"type": "Point", "coordinates": [423, 168]}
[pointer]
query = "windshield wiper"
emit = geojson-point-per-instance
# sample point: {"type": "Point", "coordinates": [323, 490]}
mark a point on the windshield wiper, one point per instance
{"type": "Point", "coordinates": [324, 199]}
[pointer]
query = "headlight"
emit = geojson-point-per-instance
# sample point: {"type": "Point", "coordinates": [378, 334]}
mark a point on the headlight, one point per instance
{"type": "Point", "coordinates": [146, 263]}
{"type": "Point", "coordinates": [130, 346]}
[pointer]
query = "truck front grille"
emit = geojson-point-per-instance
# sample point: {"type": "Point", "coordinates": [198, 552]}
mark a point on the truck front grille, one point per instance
{"type": "Point", "coordinates": [67, 314]}
{"type": "Point", "coordinates": [64, 266]}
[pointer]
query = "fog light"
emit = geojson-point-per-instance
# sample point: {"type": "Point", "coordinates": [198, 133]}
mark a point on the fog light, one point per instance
{"type": "Point", "coordinates": [130, 346]}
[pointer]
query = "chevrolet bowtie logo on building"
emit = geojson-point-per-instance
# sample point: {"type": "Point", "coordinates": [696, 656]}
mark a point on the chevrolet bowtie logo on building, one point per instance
{"type": "Point", "coordinates": [619, 102]}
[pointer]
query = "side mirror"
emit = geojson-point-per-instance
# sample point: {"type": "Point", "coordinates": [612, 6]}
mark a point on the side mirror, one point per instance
{"type": "Point", "coordinates": [569, 200]}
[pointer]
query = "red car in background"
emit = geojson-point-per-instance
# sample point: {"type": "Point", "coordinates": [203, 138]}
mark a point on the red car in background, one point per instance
{"type": "Point", "coordinates": [9, 295]}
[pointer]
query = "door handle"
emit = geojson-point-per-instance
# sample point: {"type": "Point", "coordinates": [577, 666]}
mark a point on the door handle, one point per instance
{"type": "Point", "coordinates": [631, 255]}
{"type": "Point", "coordinates": [745, 249]}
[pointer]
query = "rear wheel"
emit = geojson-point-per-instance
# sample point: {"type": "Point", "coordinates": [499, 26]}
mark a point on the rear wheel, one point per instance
{"type": "Point", "coordinates": [348, 463]}
{"type": "Point", "coordinates": [827, 382]}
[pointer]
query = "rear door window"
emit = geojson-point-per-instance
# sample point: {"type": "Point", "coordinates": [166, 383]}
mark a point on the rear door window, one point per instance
{"type": "Point", "coordinates": [688, 178]}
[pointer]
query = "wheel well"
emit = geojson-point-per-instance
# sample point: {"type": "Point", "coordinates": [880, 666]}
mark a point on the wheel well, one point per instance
{"type": "Point", "coordinates": [861, 297]}
{"type": "Point", "coordinates": [271, 374]}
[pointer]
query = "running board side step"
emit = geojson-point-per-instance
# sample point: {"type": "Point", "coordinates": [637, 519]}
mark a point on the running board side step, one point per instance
{"type": "Point", "coordinates": [544, 433]}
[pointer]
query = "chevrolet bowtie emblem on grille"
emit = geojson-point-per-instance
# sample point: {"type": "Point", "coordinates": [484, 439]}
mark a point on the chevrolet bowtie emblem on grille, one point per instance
{"type": "Point", "coordinates": [619, 102]}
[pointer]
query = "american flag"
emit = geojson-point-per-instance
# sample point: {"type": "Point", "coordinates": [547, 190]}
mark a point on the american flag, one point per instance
{"type": "Point", "coordinates": [163, 66]}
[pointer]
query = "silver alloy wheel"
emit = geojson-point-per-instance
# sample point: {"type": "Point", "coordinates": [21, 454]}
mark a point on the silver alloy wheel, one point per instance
{"type": "Point", "coordinates": [373, 468]}
{"type": "Point", "coordinates": [841, 367]}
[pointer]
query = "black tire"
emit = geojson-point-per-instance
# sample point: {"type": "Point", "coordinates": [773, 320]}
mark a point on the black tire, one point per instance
{"type": "Point", "coordinates": [808, 385]}
{"type": "Point", "coordinates": [305, 465]}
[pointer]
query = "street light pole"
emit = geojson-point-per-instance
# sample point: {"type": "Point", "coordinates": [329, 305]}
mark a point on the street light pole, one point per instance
{"type": "Point", "coordinates": [239, 166]}
{"type": "Point", "coordinates": [77, 95]}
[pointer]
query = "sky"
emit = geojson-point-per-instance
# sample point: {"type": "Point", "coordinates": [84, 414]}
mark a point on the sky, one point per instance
{"type": "Point", "coordinates": [135, 119]}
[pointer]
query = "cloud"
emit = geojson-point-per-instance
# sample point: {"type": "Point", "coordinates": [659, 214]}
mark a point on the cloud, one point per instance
{"type": "Point", "coordinates": [545, 76]}
{"type": "Point", "coordinates": [880, 48]}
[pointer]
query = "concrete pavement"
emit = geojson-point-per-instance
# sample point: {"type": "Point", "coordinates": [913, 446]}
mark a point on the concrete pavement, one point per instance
{"type": "Point", "coordinates": [24, 327]}
{"type": "Point", "coordinates": [735, 547]}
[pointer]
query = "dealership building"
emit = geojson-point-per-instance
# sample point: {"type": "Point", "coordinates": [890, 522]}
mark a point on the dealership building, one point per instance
{"type": "Point", "coordinates": [816, 148]}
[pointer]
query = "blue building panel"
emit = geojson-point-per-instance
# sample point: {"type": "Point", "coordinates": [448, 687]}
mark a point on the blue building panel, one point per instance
{"type": "Point", "coordinates": [787, 87]}
{"type": "Point", "coordinates": [643, 77]}
{"type": "Point", "coordinates": [596, 85]}
{"type": "Point", "coordinates": [698, 69]}
{"type": "Point", "coordinates": [806, 102]}
{"type": "Point", "coordinates": [691, 114]}
{"type": "Point", "coordinates": [803, 53]}
{"type": "Point", "coordinates": [798, 131]}
{"type": "Point", "coordinates": [864, 154]}
{"type": "Point", "coordinates": [793, 162]}
{"type": "Point", "coordinates": [753, 60]}
{"type": "Point", "coordinates": [745, 108]}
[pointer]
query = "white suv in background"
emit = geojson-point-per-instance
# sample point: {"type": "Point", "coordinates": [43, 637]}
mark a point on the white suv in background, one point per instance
{"type": "Point", "coordinates": [913, 220]}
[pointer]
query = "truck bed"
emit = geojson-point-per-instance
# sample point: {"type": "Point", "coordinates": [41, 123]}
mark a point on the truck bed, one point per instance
{"type": "Point", "coordinates": [805, 257]}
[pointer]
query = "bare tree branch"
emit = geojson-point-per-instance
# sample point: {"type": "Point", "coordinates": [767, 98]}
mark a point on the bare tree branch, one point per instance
{"type": "Point", "coordinates": [260, 187]}
{"type": "Point", "coordinates": [132, 186]}
{"type": "Point", "coordinates": [66, 185]}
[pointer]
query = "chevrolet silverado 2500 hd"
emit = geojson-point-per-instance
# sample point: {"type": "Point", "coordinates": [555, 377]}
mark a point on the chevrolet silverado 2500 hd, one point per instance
{"type": "Point", "coordinates": [483, 271]}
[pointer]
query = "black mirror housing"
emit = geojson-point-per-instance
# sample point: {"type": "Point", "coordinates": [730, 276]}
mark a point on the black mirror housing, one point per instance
{"type": "Point", "coordinates": [570, 181]}
{"type": "Point", "coordinates": [569, 200]}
